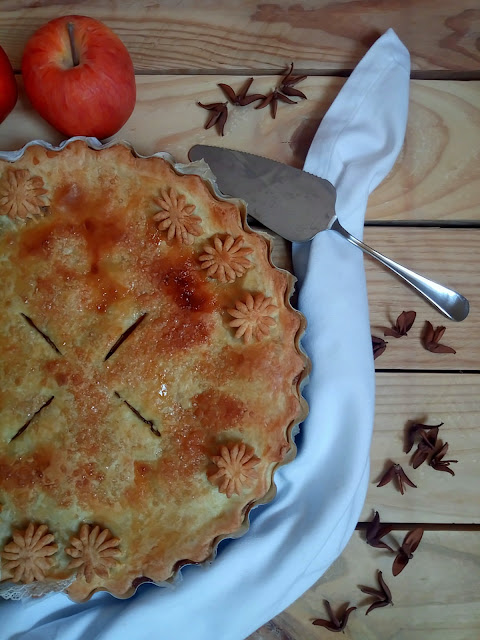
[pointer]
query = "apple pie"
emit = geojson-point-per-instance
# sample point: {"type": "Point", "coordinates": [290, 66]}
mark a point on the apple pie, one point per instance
{"type": "Point", "coordinates": [150, 369]}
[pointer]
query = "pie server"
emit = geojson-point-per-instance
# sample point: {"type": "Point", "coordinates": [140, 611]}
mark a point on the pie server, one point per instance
{"type": "Point", "coordinates": [297, 205]}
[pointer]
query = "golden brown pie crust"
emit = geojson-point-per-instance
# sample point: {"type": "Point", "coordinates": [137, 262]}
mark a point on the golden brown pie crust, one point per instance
{"type": "Point", "coordinates": [150, 369]}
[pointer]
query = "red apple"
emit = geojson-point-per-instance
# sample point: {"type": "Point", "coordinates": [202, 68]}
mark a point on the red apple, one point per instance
{"type": "Point", "coordinates": [79, 77]}
{"type": "Point", "coordinates": [8, 86]}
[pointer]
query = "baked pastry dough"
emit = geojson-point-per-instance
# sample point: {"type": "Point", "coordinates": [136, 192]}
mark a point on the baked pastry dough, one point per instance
{"type": "Point", "coordinates": [150, 369]}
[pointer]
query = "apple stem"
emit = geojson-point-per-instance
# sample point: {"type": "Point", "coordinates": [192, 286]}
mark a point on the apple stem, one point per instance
{"type": "Point", "coordinates": [75, 58]}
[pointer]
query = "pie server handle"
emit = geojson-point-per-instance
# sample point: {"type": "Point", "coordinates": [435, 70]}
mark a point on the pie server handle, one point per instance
{"type": "Point", "coordinates": [449, 302]}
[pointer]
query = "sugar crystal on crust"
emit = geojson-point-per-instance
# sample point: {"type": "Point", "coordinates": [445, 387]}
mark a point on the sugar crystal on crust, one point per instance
{"type": "Point", "coordinates": [27, 556]}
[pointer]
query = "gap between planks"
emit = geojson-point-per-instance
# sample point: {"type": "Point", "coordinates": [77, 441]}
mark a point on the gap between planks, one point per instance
{"type": "Point", "coordinates": [422, 224]}
{"type": "Point", "coordinates": [457, 371]}
{"type": "Point", "coordinates": [428, 526]}
{"type": "Point", "coordinates": [340, 73]}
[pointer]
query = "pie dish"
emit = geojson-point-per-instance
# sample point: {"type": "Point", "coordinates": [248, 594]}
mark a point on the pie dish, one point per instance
{"type": "Point", "coordinates": [150, 369]}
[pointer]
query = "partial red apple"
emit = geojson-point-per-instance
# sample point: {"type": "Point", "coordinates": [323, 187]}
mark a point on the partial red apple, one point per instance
{"type": "Point", "coordinates": [79, 76]}
{"type": "Point", "coordinates": [8, 86]}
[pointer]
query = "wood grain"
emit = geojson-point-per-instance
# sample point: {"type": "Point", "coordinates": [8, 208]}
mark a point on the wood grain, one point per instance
{"type": "Point", "coordinates": [316, 34]}
{"type": "Point", "coordinates": [453, 399]}
{"type": "Point", "coordinates": [437, 176]}
{"type": "Point", "coordinates": [448, 256]}
{"type": "Point", "coordinates": [435, 597]}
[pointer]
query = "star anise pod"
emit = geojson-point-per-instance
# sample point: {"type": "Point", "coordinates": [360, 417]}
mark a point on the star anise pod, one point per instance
{"type": "Point", "coordinates": [272, 99]}
{"type": "Point", "coordinates": [336, 623]}
{"type": "Point", "coordinates": [431, 338]}
{"type": "Point", "coordinates": [425, 447]}
{"type": "Point", "coordinates": [439, 464]}
{"type": "Point", "coordinates": [218, 116]}
{"type": "Point", "coordinates": [241, 99]}
{"type": "Point", "coordinates": [374, 533]}
{"type": "Point", "coordinates": [415, 429]}
{"type": "Point", "coordinates": [383, 595]}
{"type": "Point", "coordinates": [288, 82]}
{"type": "Point", "coordinates": [405, 553]}
{"type": "Point", "coordinates": [396, 472]}
{"type": "Point", "coordinates": [402, 326]}
{"type": "Point", "coordinates": [378, 345]}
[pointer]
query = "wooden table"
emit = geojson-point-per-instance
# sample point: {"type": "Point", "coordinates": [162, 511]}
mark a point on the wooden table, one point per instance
{"type": "Point", "coordinates": [426, 214]}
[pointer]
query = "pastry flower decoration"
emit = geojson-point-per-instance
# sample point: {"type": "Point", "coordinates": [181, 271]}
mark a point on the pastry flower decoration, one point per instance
{"type": "Point", "coordinates": [226, 260]}
{"type": "Point", "coordinates": [93, 552]}
{"type": "Point", "coordinates": [235, 469]}
{"type": "Point", "coordinates": [253, 318]}
{"type": "Point", "coordinates": [21, 194]}
{"type": "Point", "coordinates": [176, 217]}
{"type": "Point", "coordinates": [28, 555]}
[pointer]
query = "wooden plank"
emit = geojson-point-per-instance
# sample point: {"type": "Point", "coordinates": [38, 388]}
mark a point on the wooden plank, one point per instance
{"type": "Point", "coordinates": [453, 399]}
{"type": "Point", "coordinates": [317, 34]}
{"type": "Point", "coordinates": [436, 595]}
{"type": "Point", "coordinates": [167, 118]}
{"type": "Point", "coordinates": [437, 176]}
{"type": "Point", "coordinates": [448, 256]}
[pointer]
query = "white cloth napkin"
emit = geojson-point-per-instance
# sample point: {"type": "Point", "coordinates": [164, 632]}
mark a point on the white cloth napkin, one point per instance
{"type": "Point", "coordinates": [293, 540]}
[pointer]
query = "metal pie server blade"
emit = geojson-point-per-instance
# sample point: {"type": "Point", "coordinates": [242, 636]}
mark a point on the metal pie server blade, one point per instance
{"type": "Point", "coordinates": [297, 205]}
{"type": "Point", "coordinates": [293, 203]}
